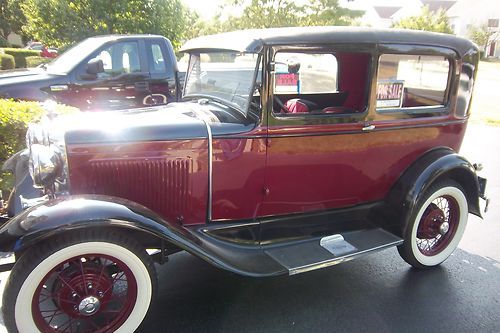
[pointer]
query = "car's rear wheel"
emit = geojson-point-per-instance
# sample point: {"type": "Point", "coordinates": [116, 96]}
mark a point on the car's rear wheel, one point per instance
{"type": "Point", "coordinates": [436, 227]}
{"type": "Point", "coordinates": [84, 282]}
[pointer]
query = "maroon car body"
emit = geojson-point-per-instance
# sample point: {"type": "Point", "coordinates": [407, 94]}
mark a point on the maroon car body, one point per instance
{"type": "Point", "coordinates": [294, 149]}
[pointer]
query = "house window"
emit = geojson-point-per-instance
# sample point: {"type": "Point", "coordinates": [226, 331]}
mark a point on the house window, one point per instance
{"type": "Point", "coordinates": [493, 23]}
{"type": "Point", "coordinates": [411, 81]}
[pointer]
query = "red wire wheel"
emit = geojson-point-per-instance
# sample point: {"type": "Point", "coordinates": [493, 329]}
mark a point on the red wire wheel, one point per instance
{"type": "Point", "coordinates": [91, 293]}
{"type": "Point", "coordinates": [436, 226]}
{"type": "Point", "coordinates": [87, 281]}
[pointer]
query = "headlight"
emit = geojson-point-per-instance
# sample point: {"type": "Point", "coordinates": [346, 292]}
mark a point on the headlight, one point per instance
{"type": "Point", "coordinates": [36, 134]}
{"type": "Point", "coordinates": [46, 164]}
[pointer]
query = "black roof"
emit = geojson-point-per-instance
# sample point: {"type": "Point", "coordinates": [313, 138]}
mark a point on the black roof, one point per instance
{"type": "Point", "coordinates": [255, 39]}
{"type": "Point", "coordinates": [125, 36]}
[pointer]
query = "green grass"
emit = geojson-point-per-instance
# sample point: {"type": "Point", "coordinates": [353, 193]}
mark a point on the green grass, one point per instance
{"type": "Point", "coordinates": [485, 106]}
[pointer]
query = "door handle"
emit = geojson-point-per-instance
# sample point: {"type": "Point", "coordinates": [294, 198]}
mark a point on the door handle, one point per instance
{"type": "Point", "coordinates": [368, 128]}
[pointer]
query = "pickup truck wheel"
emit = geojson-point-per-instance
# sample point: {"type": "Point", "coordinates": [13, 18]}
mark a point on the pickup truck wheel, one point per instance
{"type": "Point", "coordinates": [436, 228]}
{"type": "Point", "coordinates": [80, 283]}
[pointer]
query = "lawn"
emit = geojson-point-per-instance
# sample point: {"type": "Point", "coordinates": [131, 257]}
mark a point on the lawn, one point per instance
{"type": "Point", "coordinates": [485, 106]}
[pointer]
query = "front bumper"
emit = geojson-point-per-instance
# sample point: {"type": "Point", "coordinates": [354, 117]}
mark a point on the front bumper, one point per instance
{"type": "Point", "coordinates": [482, 194]}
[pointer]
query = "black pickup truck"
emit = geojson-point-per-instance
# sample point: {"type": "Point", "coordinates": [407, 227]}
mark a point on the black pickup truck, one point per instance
{"type": "Point", "coordinates": [102, 73]}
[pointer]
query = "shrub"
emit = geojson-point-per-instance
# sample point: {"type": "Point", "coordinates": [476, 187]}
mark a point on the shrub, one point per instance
{"type": "Point", "coordinates": [20, 55]}
{"type": "Point", "coordinates": [14, 120]}
{"type": "Point", "coordinates": [7, 61]}
{"type": "Point", "coordinates": [34, 61]}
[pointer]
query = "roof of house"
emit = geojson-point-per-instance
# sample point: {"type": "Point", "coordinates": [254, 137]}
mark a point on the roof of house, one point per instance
{"type": "Point", "coordinates": [435, 5]}
{"type": "Point", "coordinates": [255, 39]}
{"type": "Point", "coordinates": [386, 12]}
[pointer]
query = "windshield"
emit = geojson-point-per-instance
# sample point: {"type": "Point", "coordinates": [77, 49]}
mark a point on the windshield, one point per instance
{"type": "Point", "coordinates": [72, 57]}
{"type": "Point", "coordinates": [226, 76]}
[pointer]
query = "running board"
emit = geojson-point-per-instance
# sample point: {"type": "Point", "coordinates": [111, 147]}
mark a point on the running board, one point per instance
{"type": "Point", "coordinates": [331, 250]}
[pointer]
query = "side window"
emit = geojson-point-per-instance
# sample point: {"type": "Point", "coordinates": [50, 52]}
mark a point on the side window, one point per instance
{"type": "Point", "coordinates": [156, 61]}
{"type": "Point", "coordinates": [105, 56]}
{"type": "Point", "coordinates": [305, 73]}
{"type": "Point", "coordinates": [411, 81]}
{"type": "Point", "coordinates": [119, 58]}
{"type": "Point", "coordinates": [333, 82]}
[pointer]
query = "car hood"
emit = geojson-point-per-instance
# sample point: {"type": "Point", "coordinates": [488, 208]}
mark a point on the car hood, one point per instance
{"type": "Point", "coordinates": [174, 121]}
{"type": "Point", "coordinates": [15, 76]}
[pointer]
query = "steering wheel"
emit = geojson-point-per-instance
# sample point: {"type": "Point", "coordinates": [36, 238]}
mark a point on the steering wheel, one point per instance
{"type": "Point", "coordinates": [280, 103]}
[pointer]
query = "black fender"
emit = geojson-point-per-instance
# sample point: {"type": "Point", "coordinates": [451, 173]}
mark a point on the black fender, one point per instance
{"type": "Point", "coordinates": [70, 213]}
{"type": "Point", "coordinates": [433, 166]}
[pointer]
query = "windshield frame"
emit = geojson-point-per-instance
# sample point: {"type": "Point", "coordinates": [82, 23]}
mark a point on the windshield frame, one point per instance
{"type": "Point", "coordinates": [218, 99]}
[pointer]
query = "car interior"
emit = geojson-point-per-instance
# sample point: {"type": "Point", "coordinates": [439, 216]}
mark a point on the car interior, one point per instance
{"type": "Point", "coordinates": [342, 90]}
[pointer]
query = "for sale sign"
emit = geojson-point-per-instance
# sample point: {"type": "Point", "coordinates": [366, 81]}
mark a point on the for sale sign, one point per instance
{"type": "Point", "coordinates": [390, 94]}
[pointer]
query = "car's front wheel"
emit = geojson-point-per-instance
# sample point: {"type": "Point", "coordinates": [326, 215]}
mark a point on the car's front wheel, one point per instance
{"type": "Point", "coordinates": [436, 227]}
{"type": "Point", "coordinates": [83, 282]}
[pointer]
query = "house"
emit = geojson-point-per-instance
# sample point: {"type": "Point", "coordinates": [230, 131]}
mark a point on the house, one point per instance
{"type": "Point", "coordinates": [467, 13]}
{"type": "Point", "coordinates": [463, 14]}
{"type": "Point", "coordinates": [382, 13]}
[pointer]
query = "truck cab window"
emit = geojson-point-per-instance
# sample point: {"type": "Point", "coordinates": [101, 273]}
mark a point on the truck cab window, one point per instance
{"type": "Point", "coordinates": [156, 61]}
{"type": "Point", "coordinates": [120, 58]}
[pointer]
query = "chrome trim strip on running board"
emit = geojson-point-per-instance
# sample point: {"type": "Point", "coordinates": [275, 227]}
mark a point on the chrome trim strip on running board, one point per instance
{"type": "Point", "coordinates": [341, 259]}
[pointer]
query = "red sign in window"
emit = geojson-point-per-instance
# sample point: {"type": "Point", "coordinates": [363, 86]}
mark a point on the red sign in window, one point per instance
{"type": "Point", "coordinates": [287, 79]}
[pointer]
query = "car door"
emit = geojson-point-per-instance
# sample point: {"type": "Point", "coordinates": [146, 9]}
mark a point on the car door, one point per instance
{"type": "Point", "coordinates": [319, 156]}
{"type": "Point", "coordinates": [162, 72]}
{"type": "Point", "coordinates": [123, 84]}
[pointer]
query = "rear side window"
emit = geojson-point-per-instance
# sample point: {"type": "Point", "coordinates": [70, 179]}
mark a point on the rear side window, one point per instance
{"type": "Point", "coordinates": [411, 81]}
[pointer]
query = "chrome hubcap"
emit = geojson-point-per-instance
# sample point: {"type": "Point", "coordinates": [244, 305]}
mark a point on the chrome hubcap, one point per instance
{"type": "Point", "coordinates": [89, 305]}
{"type": "Point", "coordinates": [444, 227]}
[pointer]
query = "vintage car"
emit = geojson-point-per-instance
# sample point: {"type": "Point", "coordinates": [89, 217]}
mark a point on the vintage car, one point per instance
{"type": "Point", "coordinates": [293, 149]}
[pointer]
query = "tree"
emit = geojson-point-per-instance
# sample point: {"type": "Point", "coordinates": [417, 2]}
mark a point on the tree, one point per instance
{"type": "Point", "coordinates": [329, 12]}
{"type": "Point", "coordinates": [427, 21]}
{"type": "Point", "coordinates": [280, 13]}
{"type": "Point", "coordinates": [62, 22]}
{"type": "Point", "coordinates": [172, 20]}
{"type": "Point", "coordinates": [482, 35]}
{"type": "Point", "coordinates": [265, 14]}
{"type": "Point", "coordinates": [11, 17]}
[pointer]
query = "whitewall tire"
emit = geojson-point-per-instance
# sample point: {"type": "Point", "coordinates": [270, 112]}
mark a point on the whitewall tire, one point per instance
{"type": "Point", "coordinates": [436, 227]}
{"type": "Point", "coordinates": [82, 281]}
